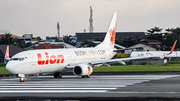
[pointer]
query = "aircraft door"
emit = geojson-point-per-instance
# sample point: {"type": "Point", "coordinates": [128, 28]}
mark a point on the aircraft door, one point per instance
{"type": "Point", "coordinates": [32, 59]}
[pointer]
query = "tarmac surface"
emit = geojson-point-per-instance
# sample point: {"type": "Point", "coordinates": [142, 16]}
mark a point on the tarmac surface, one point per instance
{"type": "Point", "coordinates": [97, 87]}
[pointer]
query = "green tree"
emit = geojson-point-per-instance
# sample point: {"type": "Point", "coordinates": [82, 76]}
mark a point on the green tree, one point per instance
{"type": "Point", "coordinates": [155, 34]}
{"type": "Point", "coordinates": [119, 41]}
{"type": "Point", "coordinates": [28, 44]}
{"type": "Point", "coordinates": [128, 41]}
{"type": "Point", "coordinates": [7, 39]}
{"type": "Point", "coordinates": [170, 37]}
{"type": "Point", "coordinates": [22, 43]}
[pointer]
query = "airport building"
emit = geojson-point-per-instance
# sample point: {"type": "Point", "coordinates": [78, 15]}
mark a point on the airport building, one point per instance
{"type": "Point", "coordinates": [100, 35]}
{"type": "Point", "coordinates": [29, 38]}
{"type": "Point", "coordinates": [146, 45]}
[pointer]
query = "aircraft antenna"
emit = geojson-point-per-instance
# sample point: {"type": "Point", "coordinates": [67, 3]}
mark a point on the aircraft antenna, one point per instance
{"type": "Point", "coordinates": [91, 28]}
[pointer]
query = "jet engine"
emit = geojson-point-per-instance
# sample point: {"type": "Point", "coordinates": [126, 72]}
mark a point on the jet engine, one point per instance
{"type": "Point", "coordinates": [82, 70]}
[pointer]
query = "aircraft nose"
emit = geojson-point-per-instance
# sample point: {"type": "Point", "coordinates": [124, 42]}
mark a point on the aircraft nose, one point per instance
{"type": "Point", "coordinates": [10, 66]}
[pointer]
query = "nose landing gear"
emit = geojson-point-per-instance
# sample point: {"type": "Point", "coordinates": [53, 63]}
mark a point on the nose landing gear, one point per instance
{"type": "Point", "coordinates": [22, 77]}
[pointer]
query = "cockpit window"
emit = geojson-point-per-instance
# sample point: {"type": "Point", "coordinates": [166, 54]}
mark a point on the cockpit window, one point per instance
{"type": "Point", "coordinates": [17, 59]}
{"type": "Point", "coordinates": [14, 59]}
{"type": "Point", "coordinates": [21, 59]}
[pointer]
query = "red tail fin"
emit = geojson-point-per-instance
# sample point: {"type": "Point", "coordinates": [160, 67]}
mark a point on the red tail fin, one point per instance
{"type": "Point", "coordinates": [7, 52]}
{"type": "Point", "coordinates": [172, 48]}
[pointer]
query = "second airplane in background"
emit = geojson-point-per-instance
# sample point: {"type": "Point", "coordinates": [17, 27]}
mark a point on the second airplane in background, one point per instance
{"type": "Point", "coordinates": [80, 61]}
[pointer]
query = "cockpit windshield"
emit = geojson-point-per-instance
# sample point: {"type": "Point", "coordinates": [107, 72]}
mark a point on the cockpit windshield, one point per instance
{"type": "Point", "coordinates": [16, 59]}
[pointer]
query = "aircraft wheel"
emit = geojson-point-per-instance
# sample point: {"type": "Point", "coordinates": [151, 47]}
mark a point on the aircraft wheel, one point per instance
{"type": "Point", "coordinates": [22, 79]}
{"type": "Point", "coordinates": [86, 76]}
{"type": "Point", "coordinates": [59, 75]}
{"type": "Point", "coordinates": [55, 75]}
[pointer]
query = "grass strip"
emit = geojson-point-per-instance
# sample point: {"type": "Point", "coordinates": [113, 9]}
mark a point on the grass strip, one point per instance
{"type": "Point", "coordinates": [3, 70]}
{"type": "Point", "coordinates": [138, 68]}
{"type": "Point", "coordinates": [170, 66]}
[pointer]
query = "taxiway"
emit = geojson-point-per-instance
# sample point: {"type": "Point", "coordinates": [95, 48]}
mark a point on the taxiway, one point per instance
{"type": "Point", "coordinates": [95, 87]}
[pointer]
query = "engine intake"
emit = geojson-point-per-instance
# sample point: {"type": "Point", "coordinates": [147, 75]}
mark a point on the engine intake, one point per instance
{"type": "Point", "coordinates": [82, 70]}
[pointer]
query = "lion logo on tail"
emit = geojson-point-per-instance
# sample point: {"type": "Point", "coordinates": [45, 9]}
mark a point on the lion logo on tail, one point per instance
{"type": "Point", "coordinates": [112, 35]}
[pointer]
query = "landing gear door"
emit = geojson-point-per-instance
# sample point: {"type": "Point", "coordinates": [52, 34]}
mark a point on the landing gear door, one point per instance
{"type": "Point", "coordinates": [32, 59]}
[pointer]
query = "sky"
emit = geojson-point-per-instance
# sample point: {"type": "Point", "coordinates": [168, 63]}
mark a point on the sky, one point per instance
{"type": "Point", "coordinates": [40, 17]}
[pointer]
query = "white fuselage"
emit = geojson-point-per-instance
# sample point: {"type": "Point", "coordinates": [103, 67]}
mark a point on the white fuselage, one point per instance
{"type": "Point", "coordinates": [81, 60]}
{"type": "Point", "coordinates": [55, 60]}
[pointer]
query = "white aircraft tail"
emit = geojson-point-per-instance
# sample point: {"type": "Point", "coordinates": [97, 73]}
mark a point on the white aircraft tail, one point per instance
{"type": "Point", "coordinates": [109, 39]}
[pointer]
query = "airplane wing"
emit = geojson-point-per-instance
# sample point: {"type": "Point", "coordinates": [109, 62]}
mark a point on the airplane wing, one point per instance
{"type": "Point", "coordinates": [106, 62]}
{"type": "Point", "coordinates": [133, 58]}
{"type": "Point", "coordinates": [121, 59]}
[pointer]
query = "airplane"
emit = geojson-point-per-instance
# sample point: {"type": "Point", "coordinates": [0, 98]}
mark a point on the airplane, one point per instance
{"type": "Point", "coordinates": [80, 61]}
{"type": "Point", "coordinates": [151, 53]}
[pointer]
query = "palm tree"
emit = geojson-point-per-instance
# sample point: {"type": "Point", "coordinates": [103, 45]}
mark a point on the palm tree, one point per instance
{"type": "Point", "coordinates": [7, 39]}
{"type": "Point", "coordinates": [154, 34]}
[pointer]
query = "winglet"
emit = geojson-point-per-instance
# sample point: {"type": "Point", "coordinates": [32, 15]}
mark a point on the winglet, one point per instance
{"type": "Point", "coordinates": [7, 52]}
{"type": "Point", "coordinates": [172, 48]}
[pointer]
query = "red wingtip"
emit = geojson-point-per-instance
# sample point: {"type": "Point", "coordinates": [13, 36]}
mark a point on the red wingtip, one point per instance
{"type": "Point", "coordinates": [173, 47]}
{"type": "Point", "coordinates": [7, 52]}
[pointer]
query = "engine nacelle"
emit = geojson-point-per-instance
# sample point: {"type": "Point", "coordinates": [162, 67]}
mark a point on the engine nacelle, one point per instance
{"type": "Point", "coordinates": [83, 70]}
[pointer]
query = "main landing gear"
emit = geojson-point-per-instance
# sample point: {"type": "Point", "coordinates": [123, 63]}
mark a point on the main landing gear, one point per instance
{"type": "Point", "coordinates": [58, 75]}
{"type": "Point", "coordinates": [86, 76]}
